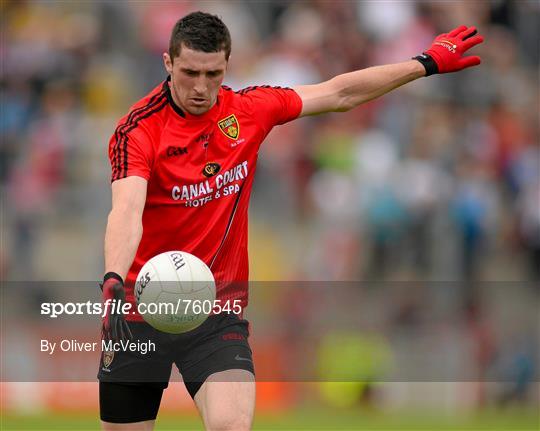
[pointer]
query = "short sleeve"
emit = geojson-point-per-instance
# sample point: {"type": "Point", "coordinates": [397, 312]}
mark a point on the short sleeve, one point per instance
{"type": "Point", "coordinates": [130, 152]}
{"type": "Point", "coordinates": [272, 106]}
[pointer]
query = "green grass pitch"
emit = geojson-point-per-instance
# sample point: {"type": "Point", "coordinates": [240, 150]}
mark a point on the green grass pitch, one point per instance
{"type": "Point", "coordinates": [309, 419]}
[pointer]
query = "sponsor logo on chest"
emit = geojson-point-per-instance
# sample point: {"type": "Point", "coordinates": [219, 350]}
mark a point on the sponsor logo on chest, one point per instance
{"type": "Point", "coordinates": [226, 183]}
{"type": "Point", "coordinates": [176, 151]}
{"type": "Point", "coordinates": [210, 169]}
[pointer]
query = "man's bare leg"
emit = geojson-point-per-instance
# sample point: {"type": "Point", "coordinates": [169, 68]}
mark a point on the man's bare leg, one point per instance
{"type": "Point", "coordinates": [226, 401]}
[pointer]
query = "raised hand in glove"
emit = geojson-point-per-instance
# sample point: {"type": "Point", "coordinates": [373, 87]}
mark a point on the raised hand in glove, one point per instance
{"type": "Point", "coordinates": [114, 326]}
{"type": "Point", "coordinates": [446, 53]}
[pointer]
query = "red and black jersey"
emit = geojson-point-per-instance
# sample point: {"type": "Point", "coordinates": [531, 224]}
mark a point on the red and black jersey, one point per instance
{"type": "Point", "coordinates": [200, 172]}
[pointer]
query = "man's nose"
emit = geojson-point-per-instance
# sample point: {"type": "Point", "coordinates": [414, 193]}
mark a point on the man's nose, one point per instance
{"type": "Point", "coordinates": [201, 85]}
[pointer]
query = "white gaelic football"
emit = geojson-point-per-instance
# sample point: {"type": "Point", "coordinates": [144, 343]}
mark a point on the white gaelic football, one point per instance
{"type": "Point", "coordinates": [175, 292]}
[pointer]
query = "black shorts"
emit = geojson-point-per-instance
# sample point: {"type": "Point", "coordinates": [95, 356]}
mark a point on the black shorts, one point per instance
{"type": "Point", "coordinates": [132, 380]}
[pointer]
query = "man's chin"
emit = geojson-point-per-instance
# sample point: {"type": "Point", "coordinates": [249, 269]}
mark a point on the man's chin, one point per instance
{"type": "Point", "coordinates": [197, 110]}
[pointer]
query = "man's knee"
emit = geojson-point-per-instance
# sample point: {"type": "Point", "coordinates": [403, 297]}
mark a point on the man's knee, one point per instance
{"type": "Point", "coordinates": [231, 410]}
{"type": "Point", "coordinates": [228, 421]}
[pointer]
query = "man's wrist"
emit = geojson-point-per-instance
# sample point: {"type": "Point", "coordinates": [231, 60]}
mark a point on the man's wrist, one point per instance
{"type": "Point", "coordinates": [113, 275]}
{"type": "Point", "coordinates": [429, 64]}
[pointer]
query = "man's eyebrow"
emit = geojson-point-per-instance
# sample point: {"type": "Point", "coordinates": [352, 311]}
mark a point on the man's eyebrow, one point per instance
{"type": "Point", "coordinates": [187, 69]}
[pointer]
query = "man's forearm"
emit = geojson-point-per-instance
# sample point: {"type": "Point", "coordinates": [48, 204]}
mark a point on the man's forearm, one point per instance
{"type": "Point", "coordinates": [364, 85]}
{"type": "Point", "coordinates": [122, 237]}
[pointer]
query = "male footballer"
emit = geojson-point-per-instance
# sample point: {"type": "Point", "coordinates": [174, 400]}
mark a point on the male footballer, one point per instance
{"type": "Point", "coordinates": [183, 161]}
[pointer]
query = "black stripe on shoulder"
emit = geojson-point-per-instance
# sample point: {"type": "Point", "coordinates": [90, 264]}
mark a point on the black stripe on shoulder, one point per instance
{"type": "Point", "coordinates": [255, 87]}
{"type": "Point", "coordinates": [134, 112]}
{"type": "Point", "coordinates": [248, 89]}
{"type": "Point", "coordinates": [154, 100]}
{"type": "Point", "coordinates": [123, 134]}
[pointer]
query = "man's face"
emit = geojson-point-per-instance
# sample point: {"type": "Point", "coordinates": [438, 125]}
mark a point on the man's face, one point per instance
{"type": "Point", "coordinates": [196, 77]}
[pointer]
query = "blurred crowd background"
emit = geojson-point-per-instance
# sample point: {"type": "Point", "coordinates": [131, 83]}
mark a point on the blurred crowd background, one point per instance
{"type": "Point", "coordinates": [437, 181]}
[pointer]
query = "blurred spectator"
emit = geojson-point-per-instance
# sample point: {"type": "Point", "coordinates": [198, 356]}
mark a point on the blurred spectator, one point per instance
{"type": "Point", "coordinates": [423, 188]}
{"type": "Point", "coordinates": [529, 226]}
{"type": "Point", "coordinates": [475, 207]}
{"type": "Point", "coordinates": [39, 171]}
{"type": "Point", "coordinates": [519, 369]}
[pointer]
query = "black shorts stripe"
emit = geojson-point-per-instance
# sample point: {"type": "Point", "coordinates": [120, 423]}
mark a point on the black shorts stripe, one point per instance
{"type": "Point", "coordinates": [117, 153]}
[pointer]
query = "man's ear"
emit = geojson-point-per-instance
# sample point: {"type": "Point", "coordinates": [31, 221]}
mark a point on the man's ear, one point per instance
{"type": "Point", "coordinates": [167, 61]}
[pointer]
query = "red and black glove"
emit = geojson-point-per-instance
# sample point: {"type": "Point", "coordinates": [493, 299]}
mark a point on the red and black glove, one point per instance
{"type": "Point", "coordinates": [446, 52]}
{"type": "Point", "coordinates": [114, 326]}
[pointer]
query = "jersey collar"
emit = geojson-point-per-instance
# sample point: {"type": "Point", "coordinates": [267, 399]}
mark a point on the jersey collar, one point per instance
{"type": "Point", "coordinates": [211, 113]}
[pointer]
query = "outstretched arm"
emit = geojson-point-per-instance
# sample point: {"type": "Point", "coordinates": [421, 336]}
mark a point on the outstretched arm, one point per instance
{"type": "Point", "coordinates": [347, 91]}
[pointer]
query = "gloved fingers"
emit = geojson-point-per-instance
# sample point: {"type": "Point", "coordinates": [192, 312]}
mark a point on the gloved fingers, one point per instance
{"type": "Point", "coordinates": [112, 330]}
{"type": "Point", "coordinates": [469, 43]}
{"type": "Point", "coordinates": [117, 330]}
{"type": "Point", "coordinates": [471, 34]}
{"type": "Point", "coordinates": [105, 332]}
{"type": "Point", "coordinates": [468, 32]}
{"type": "Point", "coordinates": [121, 331]}
{"type": "Point", "coordinates": [130, 334]}
{"type": "Point", "coordinates": [118, 292]}
{"type": "Point", "coordinates": [126, 333]}
{"type": "Point", "coordinates": [469, 61]}
{"type": "Point", "coordinates": [457, 30]}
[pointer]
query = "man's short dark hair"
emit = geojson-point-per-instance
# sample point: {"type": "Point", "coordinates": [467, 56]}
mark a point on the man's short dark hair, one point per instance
{"type": "Point", "coordinates": [201, 32]}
